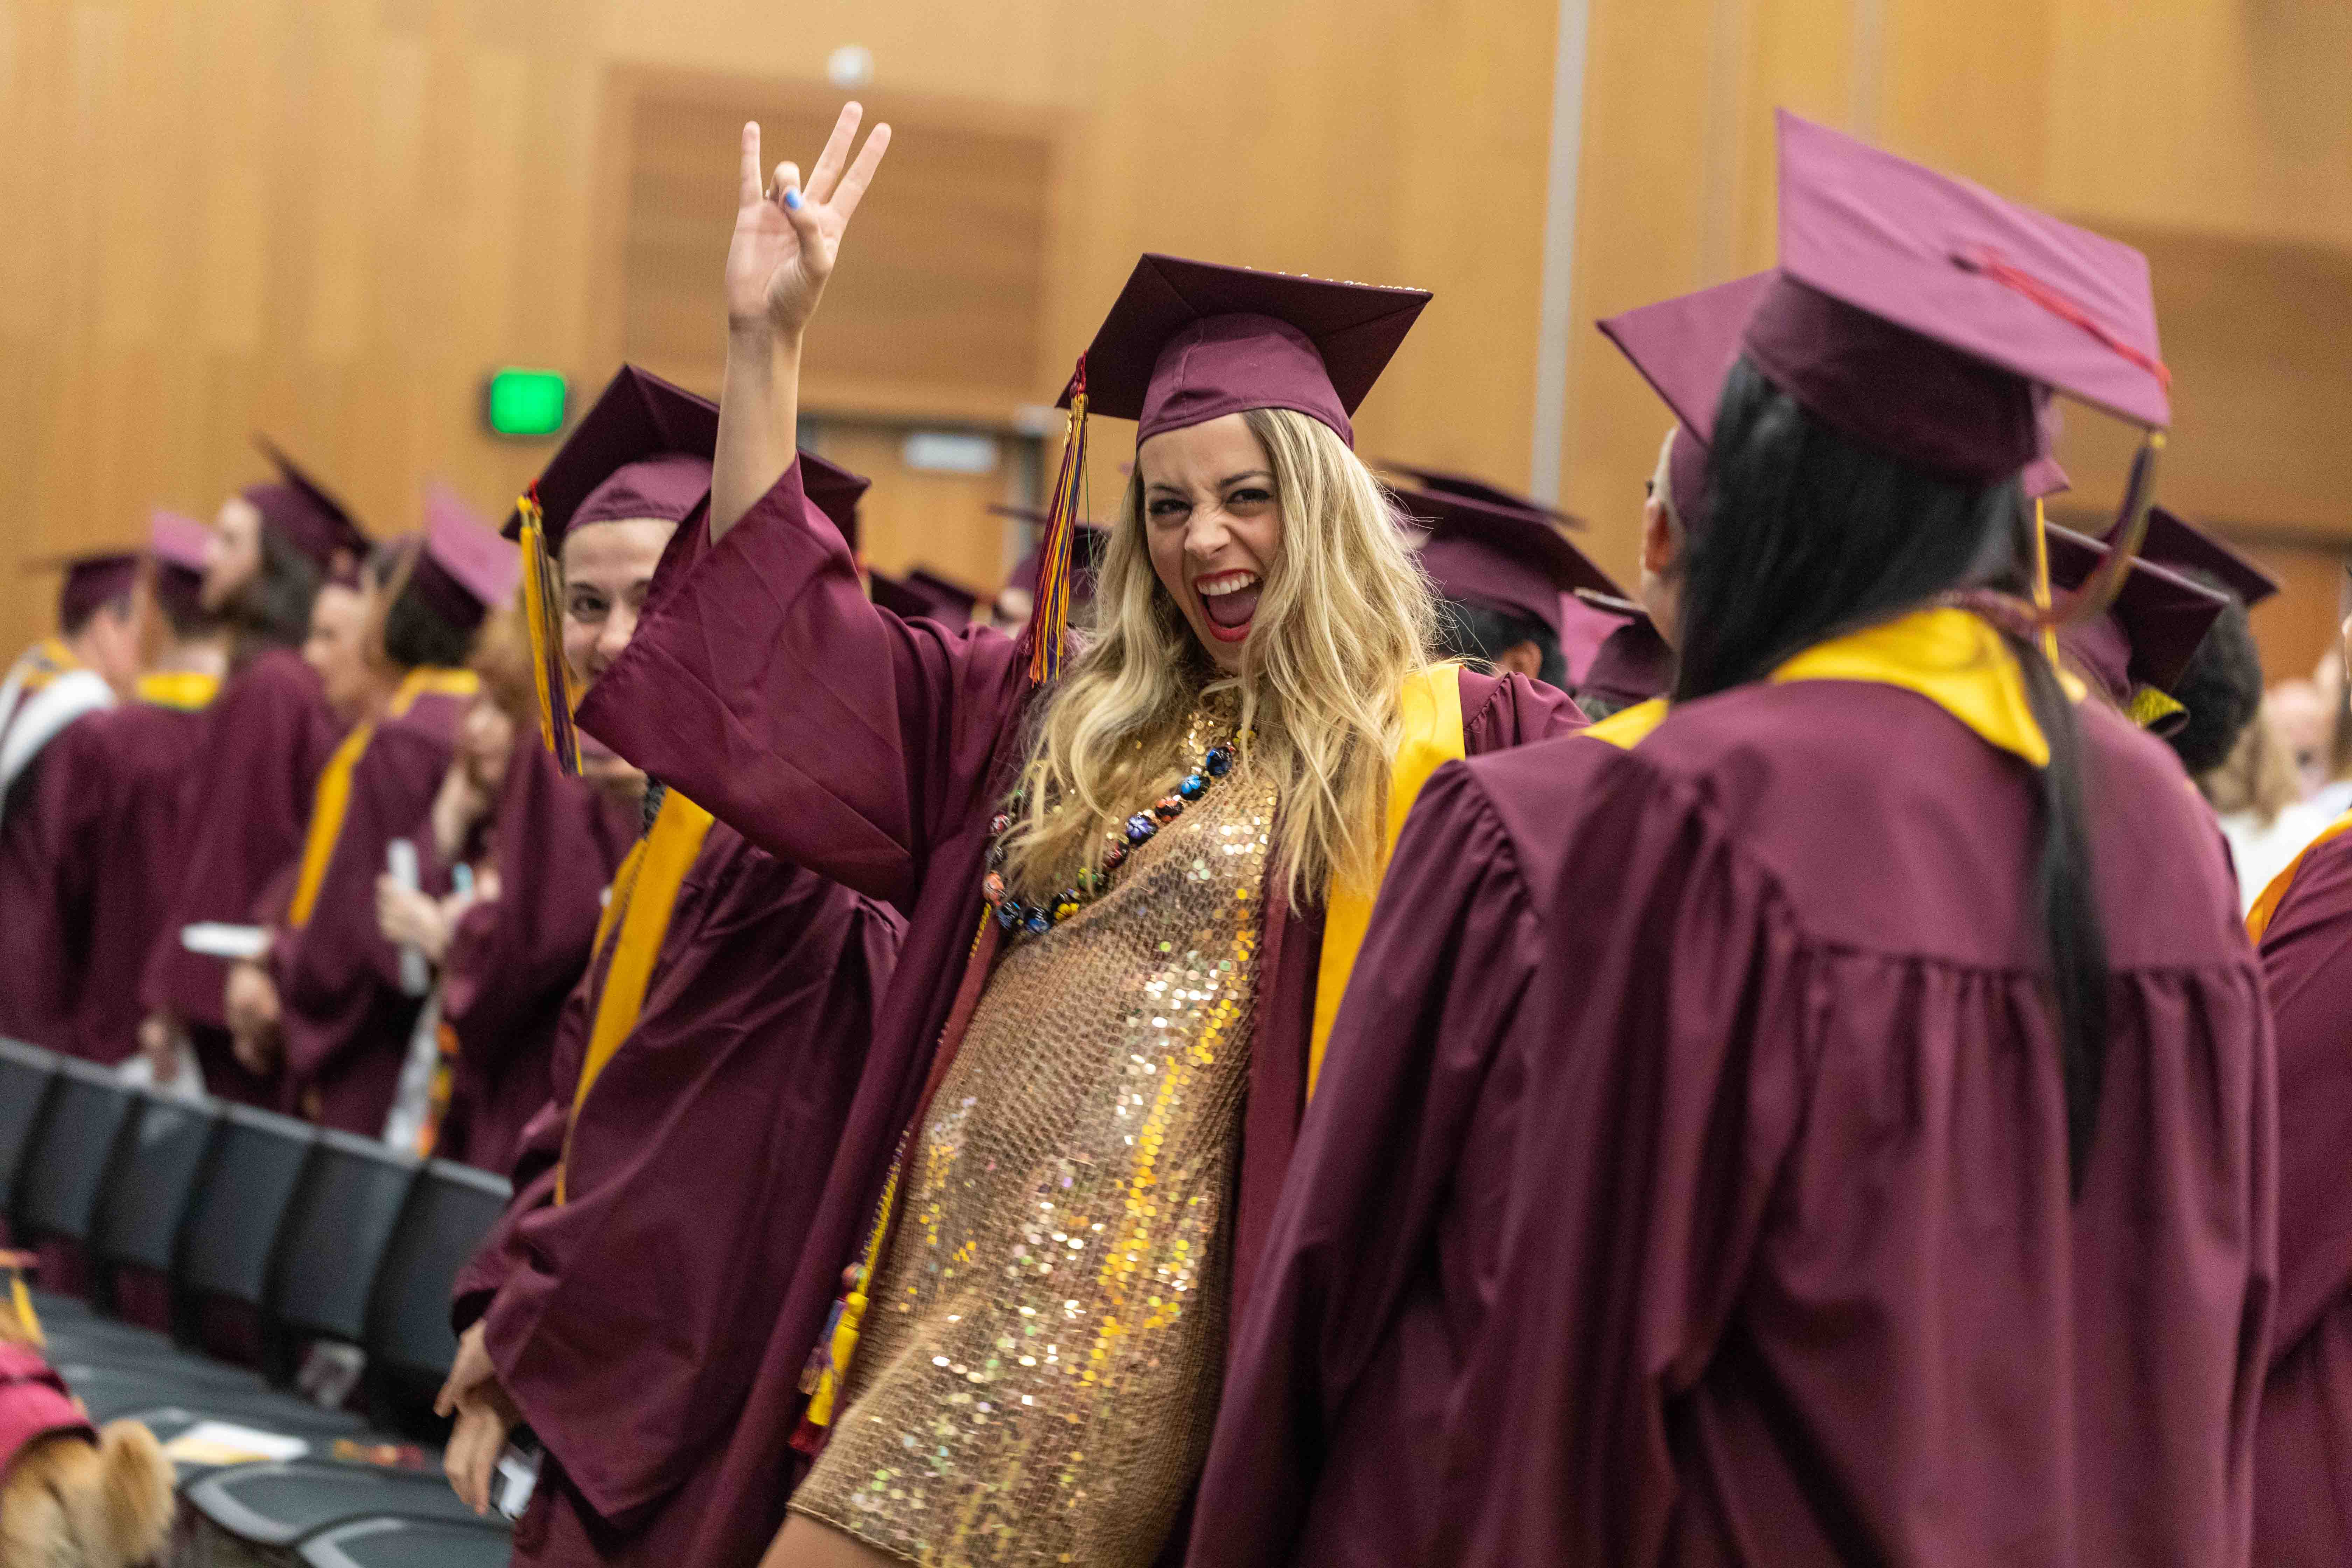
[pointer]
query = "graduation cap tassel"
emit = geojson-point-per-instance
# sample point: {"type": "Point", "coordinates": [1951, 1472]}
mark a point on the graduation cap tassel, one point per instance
{"type": "Point", "coordinates": [2123, 544]}
{"type": "Point", "coordinates": [1049, 623]}
{"type": "Point", "coordinates": [543, 600]}
{"type": "Point", "coordinates": [2042, 583]}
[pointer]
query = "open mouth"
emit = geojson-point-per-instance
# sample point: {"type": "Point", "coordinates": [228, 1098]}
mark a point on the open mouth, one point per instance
{"type": "Point", "coordinates": [1229, 601]}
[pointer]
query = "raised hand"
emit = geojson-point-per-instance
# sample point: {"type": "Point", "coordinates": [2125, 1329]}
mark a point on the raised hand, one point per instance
{"type": "Point", "coordinates": [787, 237]}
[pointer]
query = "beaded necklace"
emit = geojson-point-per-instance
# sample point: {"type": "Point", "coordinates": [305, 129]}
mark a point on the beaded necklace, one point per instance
{"type": "Point", "coordinates": [1093, 881]}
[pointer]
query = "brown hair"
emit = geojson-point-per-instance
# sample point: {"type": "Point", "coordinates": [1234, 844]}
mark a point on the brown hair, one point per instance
{"type": "Point", "coordinates": [501, 657]}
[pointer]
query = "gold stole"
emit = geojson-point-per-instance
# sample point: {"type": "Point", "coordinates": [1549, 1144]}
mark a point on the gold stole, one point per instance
{"type": "Point", "coordinates": [2258, 919]}
{"type": "Point", "coordinates": [333, 797]}
{"type": "Point", "coordinates": [188, 691]}
{"type": "Point", "coordinates": [644, 894]}
{"type": "Point", "coordinates": [1430, 709]}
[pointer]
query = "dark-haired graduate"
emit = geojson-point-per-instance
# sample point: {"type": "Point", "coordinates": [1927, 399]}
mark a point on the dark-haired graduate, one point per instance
{"type": "Point", "coordinates": [1838, 1128]}
{"type": "Point", "coordinates": [110, 812]}
{"type": "Point", "coordinates": [266, 735]}
{"type": "Point", "coordinates": [1142, 828]}
{"type": "Point", "coordinates": [701, 1074]}
{"type": "Point", "coordinates": [347, 998]}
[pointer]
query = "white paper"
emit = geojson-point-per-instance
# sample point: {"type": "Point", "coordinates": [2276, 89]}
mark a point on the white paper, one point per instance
{"type": "Point", "coordinates": [226, 1442]}
{"type": "Point", "coordinates": [218, 939]}
{"type": "Point", "coordinates": [400, 859]}
{"type": "Point", "coordinates": [188, 1083]}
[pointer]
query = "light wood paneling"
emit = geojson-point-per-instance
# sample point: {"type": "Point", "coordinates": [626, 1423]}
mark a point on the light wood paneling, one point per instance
{"type": "Point", "coordinates": [916, 518]}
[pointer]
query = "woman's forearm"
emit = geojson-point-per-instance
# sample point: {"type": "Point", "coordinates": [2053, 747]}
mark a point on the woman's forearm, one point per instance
{"type": "Point", "coordinates": [759, 414]}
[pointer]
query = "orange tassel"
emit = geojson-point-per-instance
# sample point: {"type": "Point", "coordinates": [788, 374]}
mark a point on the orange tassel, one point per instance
{"type": "Point", "coordinates": [542, 614]}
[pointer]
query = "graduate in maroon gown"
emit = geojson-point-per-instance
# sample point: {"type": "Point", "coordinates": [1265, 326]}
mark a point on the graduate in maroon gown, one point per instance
{"type": "Point", "coordinates": [55, 688]}
{"type": "Point", "coordinates": [1812, 1134]}
{"type": "Point", "coordinates": [110, 815]}
{"type": "Point", "coordinates": [2303, 1440]}
{"type": "Point", "coordinates": [348, 999]}
{"type": "Point", "coordinates": [266, 737]}
{"type": "Point", "coordinates": [1505, 575]}
{"type": "Point", "coordinates": [537, 848]}
{"type": "Point", "coordinates": [701, 1074]}
{"type": "Point", "coordinates": [891, 754]}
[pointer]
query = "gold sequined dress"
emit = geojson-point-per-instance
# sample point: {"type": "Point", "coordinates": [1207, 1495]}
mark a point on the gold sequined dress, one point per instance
{"type": "Point", "coordinates": [1040, 1364]}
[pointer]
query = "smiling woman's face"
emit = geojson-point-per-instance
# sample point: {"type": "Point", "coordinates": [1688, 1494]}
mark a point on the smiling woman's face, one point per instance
{"type": "Point", "coordinates": [1213, 520]}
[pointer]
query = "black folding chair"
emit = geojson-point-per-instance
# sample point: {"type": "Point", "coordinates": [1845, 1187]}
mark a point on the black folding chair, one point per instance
{"type": "Point", "coordinates": [27, 1073]}
{"type": "Point", "coordinates": [239, 1207]}
{"type": "Point", "coordinates": [407, 1543]}
{"type": "Point", "coordinates": [282, 1505]}
{"type": "Point", "coordinates": [337, 1230]}
{"type": "Point", "coordinates": [143, 1199]}
{"type": "Point", "coordinates": [409, 1344]}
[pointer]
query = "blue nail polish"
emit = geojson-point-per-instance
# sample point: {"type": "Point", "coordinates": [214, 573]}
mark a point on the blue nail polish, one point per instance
{"type": "Point", "coordinates": [792, 200]}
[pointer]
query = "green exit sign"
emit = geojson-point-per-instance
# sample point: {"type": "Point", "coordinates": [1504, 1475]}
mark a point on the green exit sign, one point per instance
{"type": "Point", "coordinates": [521, 403]}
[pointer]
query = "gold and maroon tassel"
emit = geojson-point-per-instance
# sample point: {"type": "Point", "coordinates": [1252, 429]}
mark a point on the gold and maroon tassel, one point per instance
{"type": "Point", "coordinates": [1049, 621]}
{"type": "Point", "coordinates": [542, 614]}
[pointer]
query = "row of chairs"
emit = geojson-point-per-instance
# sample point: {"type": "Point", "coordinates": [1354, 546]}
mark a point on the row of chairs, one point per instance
{"type": "Point", "coordinates": [204, 1215]}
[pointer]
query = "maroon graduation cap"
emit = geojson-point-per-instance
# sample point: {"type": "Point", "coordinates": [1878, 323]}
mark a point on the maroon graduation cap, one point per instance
{"type": "Point", "coordinates": [642, 450]}
{"type": "Point", "coordinates": [1917, 313]}
{"type": "Point", "coordinates": [308, 516]}
{"type": "Point", "coordinates": [179, 546]}
{"type": "Point", "coordinates": [2174, 541]}
{"type": "Point", "coordinates": [1186, 341]}
{"type": "Point", "coordinates": [1633, 664]}
{"type": "Point", "coordinates": [1501, 558]}
{"type": "Point", "coordinates": [954, 603]}
{"type": "Point", "coordinates": [834, 491]}
{"type": "Point", "coordinates": [93, 579]}
{"type": "Point", "coordinates": [2148, 634]}
{"type": "Point", "coordinates": [1684, 347]}
{"type": "Point", "coordinates": [464, 569]}
{"type": "Point", "coordinates": [1089, 541]}
{"type": "Point", "coordinates": [1475, 489]}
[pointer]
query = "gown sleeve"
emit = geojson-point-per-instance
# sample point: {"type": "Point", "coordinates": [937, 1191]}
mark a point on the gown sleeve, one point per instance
{"type": "Point", "coordinates": [765, 685]}
{"type": "Point", "coordinates": [1556, 1127]}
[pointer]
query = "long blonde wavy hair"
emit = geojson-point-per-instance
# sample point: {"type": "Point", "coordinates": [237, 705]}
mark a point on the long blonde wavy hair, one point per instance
{"type": "Point", "coordinates": [1344, 616]}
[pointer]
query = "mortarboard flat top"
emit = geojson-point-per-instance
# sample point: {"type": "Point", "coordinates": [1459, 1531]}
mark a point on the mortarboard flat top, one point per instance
{"type": "Point", "coordinates": [1685, 346]}
{"type": "Point", "coordinates": [639, 422]}
{"type": "Point", "coordinates": [1188, 341]}
{"type": "Point", "coordinates": [177, 540]}
{"type": "Point", "coordinates": [1477, 489]}
{"type": "Point", "coordinates": [308, 514]}
{"type": "Point", "coordinates": [93, 580]}
{"type": "Point", "coordinates": [2162, 616]}
{"type": "Point", "coordinates": [1915, 311]}
{"type": "Point", "coordinates": [464, 569]}
{"type": "Point", "coordinates": [834, 491]}
{"type": "Point", "coordinates": [2174, 541]}
{"type": "Point", "coordinates": [1502, 558]}
{"type": "Point", "coordinates": [1633, 664]}
{"type": "Point", "coordinates": [923, 593]}
{"type": "Point", "coordinates": [955, 602]}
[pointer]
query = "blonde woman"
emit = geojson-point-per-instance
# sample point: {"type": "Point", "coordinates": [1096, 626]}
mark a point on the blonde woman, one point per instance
{"type": "Point", "coordinates": [1166, 854]}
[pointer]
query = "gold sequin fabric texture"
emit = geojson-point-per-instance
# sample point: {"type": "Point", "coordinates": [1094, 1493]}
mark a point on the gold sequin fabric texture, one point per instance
{"type": "Point", "coordinates": [1041, 1362]}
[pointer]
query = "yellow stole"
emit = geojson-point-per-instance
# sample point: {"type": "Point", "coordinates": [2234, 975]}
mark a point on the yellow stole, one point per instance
{"type": "Point", "coordinates": [1430, 706]}
{"type": "Point", "coordinates": [1953, 658]}
{"type": "Point", "coordinates": [188, 691]}
{"type": "Point", "coordinates": [43, 662]}
{"type": "Point", "coordinates": [2258, 919]}
{"type": "Point", "coordinates": [333, 796]}
{"type": "Point", "coordinates": [644, 894]}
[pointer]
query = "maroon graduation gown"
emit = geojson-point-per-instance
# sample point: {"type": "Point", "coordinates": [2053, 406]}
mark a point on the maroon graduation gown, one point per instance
{"type": "Point", "coordinates": [42, 912]}
{"type": "Point", "coordinates": [512, 961]}
{"type": "Point", "coordinates": [346, 1019]}
{"type": "Point", "coordinates": [629, 1322]}
{"type": "Point", "coordinates": [110, 814]}
{"type": "Point", "coordinates": [265, 738]}
{"type": "Point", "coordinates": [2302, 1455]}
{"type": "Point", "coordinates": [1694, 1188]}
{"type": "Point", "coordinates": [875, 750]}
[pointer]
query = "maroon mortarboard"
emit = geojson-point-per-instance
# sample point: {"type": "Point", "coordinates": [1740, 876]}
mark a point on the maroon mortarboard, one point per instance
{"type": "Point", "coordinates": [179, 546]}
{"type": "Point", "coordinates": [1916, 313]}
{"type": "Point", "coordinates": [1498, 557]}
{"type": "Point", "coordinates": [2151, 631]}
{"type": "Point", "coordinates": [1191, 341]}
{"type": "Point", "coordinates": [1684, 347]}
{"type": "Point", "coordinates": [834, 491]}
{"type": "Point", "coordinates": [465, 569]}
{"type": "Point", "coordinates": [1087, 542]}
{"type": "Point", "coordinates": [897, 596]}
{"type": "Point", "coordinates": [1477, 489]}
{"type": "Point", "coordinates": [1633, 664]}
{"type": "Point", "coordinates": [92, 581]}
{"type": "Point", "coordinates": [307, 514]}
{"type": "Point", "coordinates": [2174, 541]}
{"type": "Point", "coordinates": [642, 450]}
